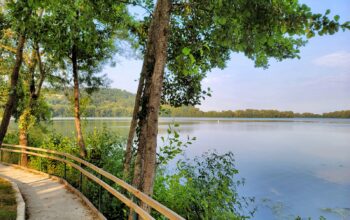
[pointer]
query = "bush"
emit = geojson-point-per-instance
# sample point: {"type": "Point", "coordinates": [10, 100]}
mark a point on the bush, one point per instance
{"type": "Point", "coordinates": [205, 188]}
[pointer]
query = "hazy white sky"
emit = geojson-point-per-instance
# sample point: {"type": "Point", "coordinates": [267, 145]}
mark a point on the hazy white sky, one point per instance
{"type": "Point", "coordinates": [318, 82]}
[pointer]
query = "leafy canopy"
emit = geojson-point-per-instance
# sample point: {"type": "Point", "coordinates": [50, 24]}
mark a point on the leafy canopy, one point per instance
{"type": "Point", "coordinates": [92, 27]}
{"type": "Point", "coordinates": [204, 33]}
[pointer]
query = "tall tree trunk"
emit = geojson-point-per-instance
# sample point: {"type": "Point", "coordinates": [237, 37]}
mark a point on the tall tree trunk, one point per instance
{"type": "Point", "coordinates": [146, 73]}
{"type": "Point", "coordinates": [162, 21]}
{"type": "Point", "coordinates": [12, 97]}
{"type": "Point", "coordinates": [132, 130]}
{"type": "Point", "coordinates": [80, 139]}
{"type": "Point", "coordinates": [23, 141]}
{"type": "Point", "coordinates": [25, 118]}
{"type": "Point", "coordinates": [153, 67]}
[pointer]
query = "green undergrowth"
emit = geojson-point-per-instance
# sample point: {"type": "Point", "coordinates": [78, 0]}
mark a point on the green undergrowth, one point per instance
{"type": "Point", "coordinates": [8, 203]}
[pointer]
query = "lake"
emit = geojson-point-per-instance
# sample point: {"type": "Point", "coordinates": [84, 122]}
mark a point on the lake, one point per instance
{"type": "Point", "coordinates": [291, 166]}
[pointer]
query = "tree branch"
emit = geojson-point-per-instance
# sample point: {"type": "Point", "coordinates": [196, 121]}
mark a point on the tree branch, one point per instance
{"type": "Point", "coordinates": [41, 69]}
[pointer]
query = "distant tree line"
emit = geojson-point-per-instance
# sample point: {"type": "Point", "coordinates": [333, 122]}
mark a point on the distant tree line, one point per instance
{"type": "Point", "coordinates": [103, 103]}
{"type": "Point", "coordinates": [119, 103]}
{"type": "Point", "coordinates": [248, 113]}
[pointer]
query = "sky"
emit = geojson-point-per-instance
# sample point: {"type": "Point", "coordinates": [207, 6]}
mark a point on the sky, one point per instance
{"type": "Point", "coordinates": [318, 82]}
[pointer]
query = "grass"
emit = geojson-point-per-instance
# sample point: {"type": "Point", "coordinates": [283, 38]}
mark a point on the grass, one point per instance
{"type": "Point", "coordinates": [8, 205]}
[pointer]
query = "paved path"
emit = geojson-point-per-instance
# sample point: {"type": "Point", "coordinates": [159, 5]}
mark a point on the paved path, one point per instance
{"type": "Point", "coordinates": [45, 198]}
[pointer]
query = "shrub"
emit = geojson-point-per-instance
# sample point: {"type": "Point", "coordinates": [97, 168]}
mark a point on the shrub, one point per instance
{"type": "Point", "coordinates": [205, 188]}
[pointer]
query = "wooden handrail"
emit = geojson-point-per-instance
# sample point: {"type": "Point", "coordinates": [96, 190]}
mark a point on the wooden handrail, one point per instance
{"type": "Point", "coordinates": [121, 197]}
{"type": "Point", "coordinates": [137, 193]}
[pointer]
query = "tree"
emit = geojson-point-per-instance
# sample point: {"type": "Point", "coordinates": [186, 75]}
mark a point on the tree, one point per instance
{"type": "Point", "coordinates": [18, 17]}
{"type": "Point", "coordinates": [32, 108]}
{"type": "Point", "coordinates": [202, 36]}
{"type": "Point", "coordinates": [82, 39]}
{"type": "Point", "coordinates": [153, 69]}
{"type": "Point", "coordinates": [29, 108]}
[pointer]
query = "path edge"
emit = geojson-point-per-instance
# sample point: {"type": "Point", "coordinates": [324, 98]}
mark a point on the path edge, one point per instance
{"type": "Point", "coordinates": [21, 205]}
{"type": "Point", "coordinates": [66, 184]}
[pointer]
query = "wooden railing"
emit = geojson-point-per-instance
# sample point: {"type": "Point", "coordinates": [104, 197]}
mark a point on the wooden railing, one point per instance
{"type": "Point", "coordinates": [78, 164]}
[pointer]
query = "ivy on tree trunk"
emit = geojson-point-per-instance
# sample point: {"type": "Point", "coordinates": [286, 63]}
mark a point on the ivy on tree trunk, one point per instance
{"type": "Point", "coordinates": [153, 69]}
{"type": "Point", "coordinates": [25, 119]}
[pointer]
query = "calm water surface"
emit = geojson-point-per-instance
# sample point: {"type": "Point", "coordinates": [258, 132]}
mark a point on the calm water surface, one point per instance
{"type": "Point", "coordinates": [291, 166]}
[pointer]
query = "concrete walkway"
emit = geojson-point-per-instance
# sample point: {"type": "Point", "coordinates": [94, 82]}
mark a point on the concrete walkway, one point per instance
{"type": "Point", "coordinates": [45, 198]}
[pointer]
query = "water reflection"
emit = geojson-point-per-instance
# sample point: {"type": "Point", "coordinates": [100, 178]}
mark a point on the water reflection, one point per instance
{"type": "Point", "coordinates": [338, 175]}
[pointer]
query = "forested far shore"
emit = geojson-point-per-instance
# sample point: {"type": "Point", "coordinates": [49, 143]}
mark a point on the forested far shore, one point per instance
{"type": "Point", "coordinates": [112, 102]}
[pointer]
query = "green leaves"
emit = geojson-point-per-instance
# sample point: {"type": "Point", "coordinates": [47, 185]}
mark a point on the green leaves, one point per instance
{"type": "Point", "coordinates": [220, 20]}
{"type": "Point", "coordinates": [172, 144]}
{"type": "Point", "coordinates": [186, 51]}
{"type": "Point", "coordinates": [204, 188]}
{"type": "Point", "coordinates": [284, 29]}
{"type": "Point", "coordinates": [93, 27]}
{"type": "Point", "coordinates": [336, 17]}
{"type": "Point", "coordinates": [204, 37]}
{"type": "Point", "coordinates": [310, 34]}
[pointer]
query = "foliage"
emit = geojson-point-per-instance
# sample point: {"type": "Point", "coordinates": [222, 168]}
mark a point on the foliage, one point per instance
{"type": "Point", "coordinates": [172, 145]}
{"type": "Point", "coordinates": [7, 201]}
{"type": "Point", "coordinates": [337, 114]}
{"type": "Point", "coordinates": [104, 145]}
{"type": "Point", "coordinates": [103, 103]}
{"type": "Point", "coordinates": [38, 111]}
{"type": "Point", "coordinates": [204, 33]}
{"type": "Point", "coordinates": [90, 28]}
{"type": "Point", "coordinates": [205, 188]}
{"type": "Point", "coordinates": [6, 56]}
{"type": "Point", "coordinates": [106, 151]}
{"type": "Point", "coordinates": [3, 91]}
{"type": "Point", "coordinates": [11, 138]}
{"type": "Point", "coordinates": [183, 90]}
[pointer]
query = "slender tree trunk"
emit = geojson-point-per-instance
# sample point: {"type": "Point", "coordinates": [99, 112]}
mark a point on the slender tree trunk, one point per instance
{"type": "Point", "coordinates": [154, 64]}
{"type": "Point", "coordinates": [24, 125]}
{"type": "Point", "coordinates": [162, 22]}
{"type": "Point", "coordinates": [80, 139]}
{"type": "Point", "coordinates": [12, 97]}
{"type": "Point", "coordinates": [132, 130]}
{"type": "Point", "coordinates": [142, 116]}
{"type": "Point", "coordinates": [146, 72]}
{"type": "Point", "coordinates": [23, 141]}
{"type": "Point", "coordinates": [25, 118]}
{"type": "Point", "coordinates": [139, 160]}
{"type": "Point", "coordinates": [41, 70]}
